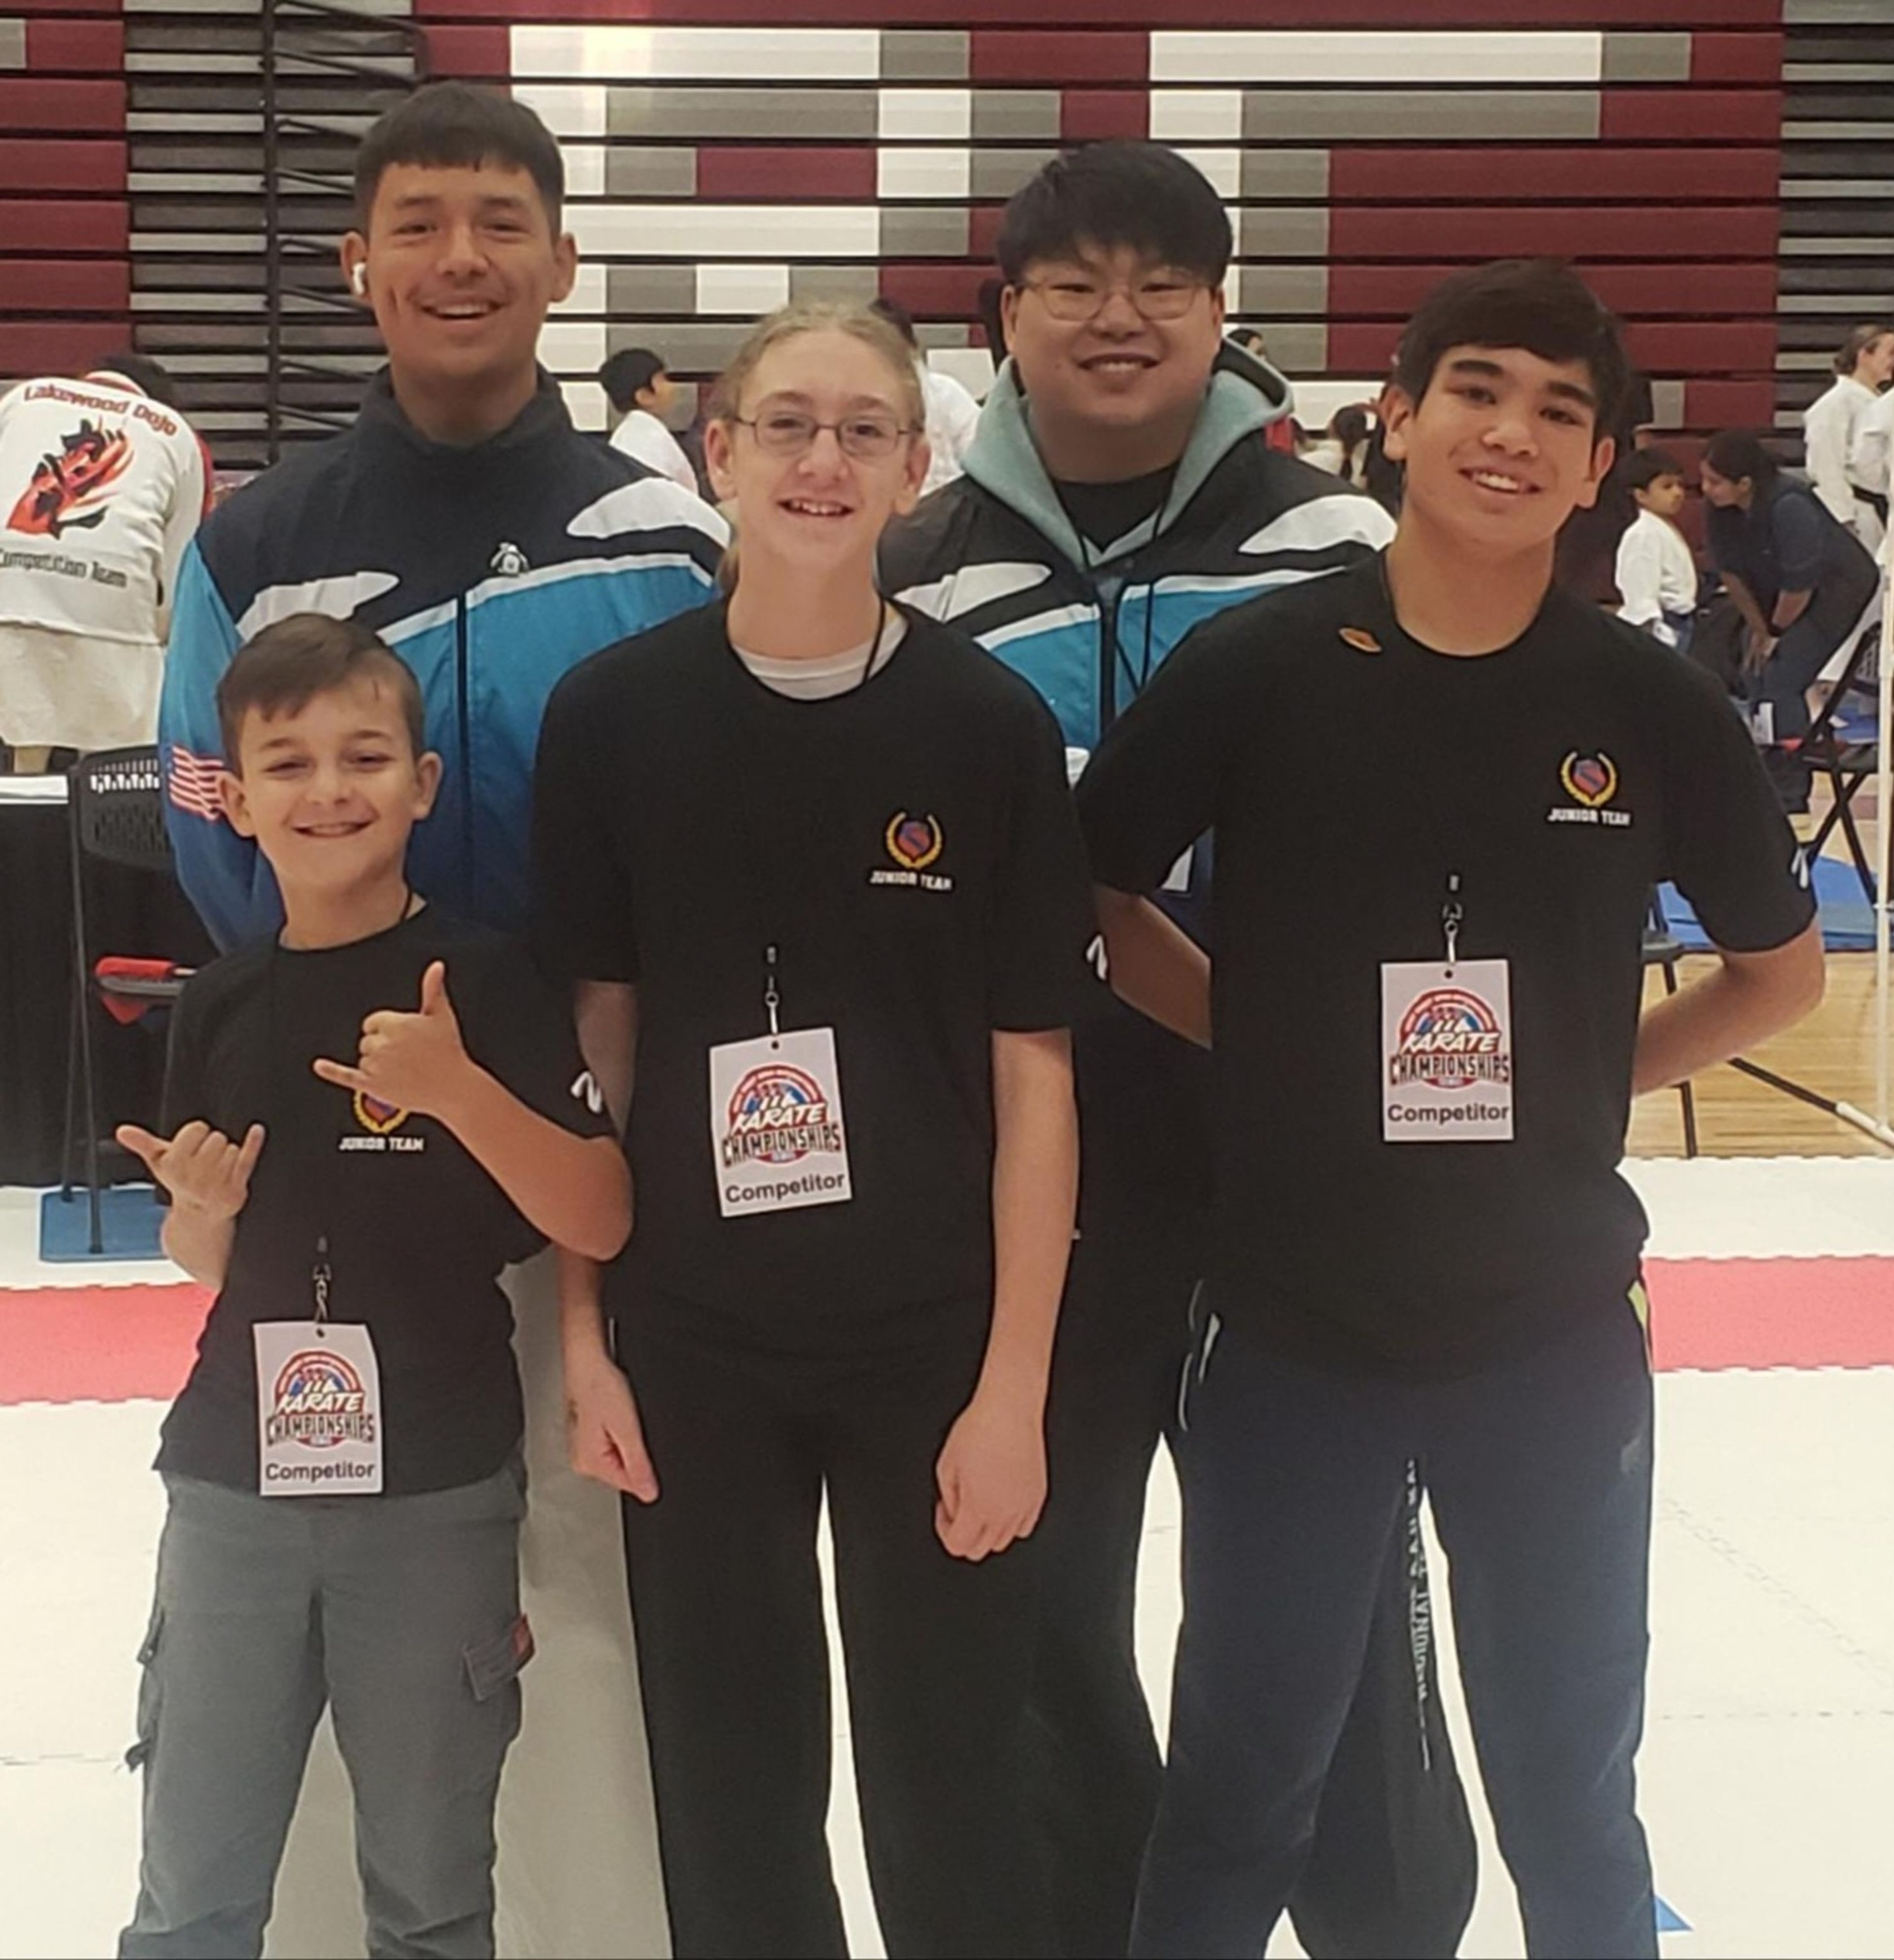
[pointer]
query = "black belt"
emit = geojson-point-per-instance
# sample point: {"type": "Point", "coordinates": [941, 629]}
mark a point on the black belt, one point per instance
{"type": "Point", "coordinates": [1873, 499]}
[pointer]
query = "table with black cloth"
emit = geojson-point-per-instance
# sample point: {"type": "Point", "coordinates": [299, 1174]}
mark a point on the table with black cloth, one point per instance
{"type": "Point", "coordinates": [130, 914]}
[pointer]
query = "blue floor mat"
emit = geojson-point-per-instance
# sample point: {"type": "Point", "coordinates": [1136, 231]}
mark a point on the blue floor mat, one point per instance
{"type": "Point", "coordinates": [130, 1219]}
{"type": "Point", "coordinates": [1848, 920]}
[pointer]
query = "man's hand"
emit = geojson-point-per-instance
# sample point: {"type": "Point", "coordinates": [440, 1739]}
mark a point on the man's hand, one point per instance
{"type": "Point", "coordinates": [992, 1477]}
{"type": "Point", "coordinates": [1758, 645]}
{"type": "Point", "coordinates": [604, 1439]}
{"type": "Point", "coordinates": [415, 1061]}
{"type": "Point", "coordinates": [203, 1170]}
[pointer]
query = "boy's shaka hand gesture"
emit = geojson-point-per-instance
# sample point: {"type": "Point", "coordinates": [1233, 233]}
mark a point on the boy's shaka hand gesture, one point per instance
{"type": "Point", "coordinates": [414, 1061]}
{"type": "Point", "coordinates": [202, 1169]}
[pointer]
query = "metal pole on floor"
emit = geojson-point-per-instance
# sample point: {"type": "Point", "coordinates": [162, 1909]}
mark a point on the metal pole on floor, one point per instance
{"type": "Point", "coordinates": [1883, 827]}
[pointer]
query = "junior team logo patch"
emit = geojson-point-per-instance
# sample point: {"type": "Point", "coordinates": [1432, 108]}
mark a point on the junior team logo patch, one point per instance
{"type": "Point", "coordinates": [778, 1114]}
{"type": "Point", "coordinates": [377, 1116]}
{"type": "Point", "coordinates": [914, 842]}
{"type": "Point", "coordinates": [1591, 781]}
{"type": "Point", "coordinates": [1451, 1040]}
{"type": "Point", "coordinates": [319, 1401]}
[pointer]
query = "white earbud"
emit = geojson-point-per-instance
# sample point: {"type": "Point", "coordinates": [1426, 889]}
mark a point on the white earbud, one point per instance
{"type": "Point", "coordinates": [358, 280]}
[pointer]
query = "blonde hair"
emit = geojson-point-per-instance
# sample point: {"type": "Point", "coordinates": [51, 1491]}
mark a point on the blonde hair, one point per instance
{"type": "Point", "coordinates": [790, 323]}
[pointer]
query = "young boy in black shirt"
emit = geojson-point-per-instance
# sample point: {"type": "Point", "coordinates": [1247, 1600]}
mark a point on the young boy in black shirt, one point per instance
{"type": "Point", "coordinates": [351, 1178]}
{"type": "Point", "coordinates": [1426, 1039]}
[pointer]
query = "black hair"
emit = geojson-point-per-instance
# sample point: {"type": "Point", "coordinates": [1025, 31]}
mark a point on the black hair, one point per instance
{"type": "Point", "coordinates": [286, 666]}
{"type": "Point", "coordinates": [1644, 467]}
{"type": "Point", "coordinates": [628, 372]}
{"type": "Point", "coordinates": [1540, 304]}
{"type": "Point", "coordinates": [991, 319]}
{"type": "Point", "coordinates": [455, 126]}
{"type": "Point", "coordinates": [1108, 194]}
{"type": "Point", "coordinates": [899, 318]}
{"type": "Point", "coordinates": [1848, 357]}
{"type": "Point", "coordinates": [141, 371]}
{"type": "Point", "coordinates": [1348, 426]}
{"type": "Point", "coordinates": [1736, 454]}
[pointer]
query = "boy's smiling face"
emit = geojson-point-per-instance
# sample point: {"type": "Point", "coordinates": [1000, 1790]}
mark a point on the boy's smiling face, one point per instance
{"type": "Point", "coordinates": [1501, 446]}
{"type": "Point", "coordinates": [331, 792]}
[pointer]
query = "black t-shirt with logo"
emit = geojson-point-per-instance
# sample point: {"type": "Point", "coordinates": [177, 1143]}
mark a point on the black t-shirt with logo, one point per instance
{"type": "Point", "coordinates": [909, 848]}
{"type": "Point", "coordinates": [418, 1232]}
{"type": "Point", "coordinates": [1348, 772]}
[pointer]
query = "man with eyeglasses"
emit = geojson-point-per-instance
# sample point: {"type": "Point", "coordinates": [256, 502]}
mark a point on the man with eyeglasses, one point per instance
{"type": "Point", "coordinates": [1119, 493]}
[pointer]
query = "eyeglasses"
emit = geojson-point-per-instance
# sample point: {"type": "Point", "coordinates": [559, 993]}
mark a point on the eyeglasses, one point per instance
{"type": "Point", "coordinates": [1075, 299]}
{"type": "Point", "coordinates": [866, 438]}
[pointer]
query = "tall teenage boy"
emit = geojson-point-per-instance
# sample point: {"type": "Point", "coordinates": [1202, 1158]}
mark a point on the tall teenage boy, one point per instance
{"type": "Point", "coordinates": [1118, 493]}
{"type": "Point", "coordinates": [462, 516]}
{"type": "Point", "coordinates": [369, 1116]}
{"type": "Point", "coordinates": [1427, 1039]}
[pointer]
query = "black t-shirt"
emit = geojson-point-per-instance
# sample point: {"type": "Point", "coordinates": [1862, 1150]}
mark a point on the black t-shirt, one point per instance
{"type": "Point", "coordinates": [1348, 771]}
{"type": "Point", "coordinates": [1104, 512]}
{"type": "Point", "coordinates": [418, 1232]}
{"type": "Point", "coordinates": [910, 849]}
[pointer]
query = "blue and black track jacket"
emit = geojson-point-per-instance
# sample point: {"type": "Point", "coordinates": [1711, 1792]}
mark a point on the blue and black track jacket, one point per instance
{"type": "Point", "coordinates": [995, 553]}
{"type": "Point", "coordinates": [491, 570]}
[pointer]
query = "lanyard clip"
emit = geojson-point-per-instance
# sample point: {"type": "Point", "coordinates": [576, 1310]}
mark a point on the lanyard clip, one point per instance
{"type": "Point", "coordinates": [320, 1277]}
{"type": "Point", "coordinates": [772, 1000]}
{"type": "Point", "coordinates": [1451, 913]}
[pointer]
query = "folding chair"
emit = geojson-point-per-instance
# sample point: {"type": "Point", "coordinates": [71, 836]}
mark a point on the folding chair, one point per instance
{"type": "Point", "coordinates": [1845, 763]}
{"type": "Point", "coordinates": [1662, 948]}
{"type": "Point", "coordinates": [115, 813]}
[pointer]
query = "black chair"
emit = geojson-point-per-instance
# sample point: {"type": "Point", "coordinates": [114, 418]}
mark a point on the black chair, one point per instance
{"type": "Point", "coordinates": [1845, 765]}
{"type": "Point", "coordinates": [115, 801]}
{"type": "Point", "coordinates": [1662, 948]}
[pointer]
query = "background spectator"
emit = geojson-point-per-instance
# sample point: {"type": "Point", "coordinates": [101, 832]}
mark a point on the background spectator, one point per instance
{"type": "Point", "coordinates": [642, 393]}
{"type": "Point", "coordinates": [1836, 426]}
{"type": "Point", "coordinates": [102, 485]}
{"type": "Point", "coordinates": [952, 413]}
{"type": "Point", "coordinates": [1343, 450]}
{"type": "Point", "coordinates": [1656, 574]}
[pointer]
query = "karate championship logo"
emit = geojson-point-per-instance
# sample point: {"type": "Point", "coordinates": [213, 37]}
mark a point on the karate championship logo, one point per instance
{"type": "Point", "coordinates": [778, 1114]}
{"type": "Point", "coordinates": [69, 492]}
{"type": "Point", "coordinates": [1449, 1039]}
{"type": "Point", "coordinates": [318, 1401]}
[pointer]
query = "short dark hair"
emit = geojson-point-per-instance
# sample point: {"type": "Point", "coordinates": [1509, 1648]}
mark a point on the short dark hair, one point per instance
{"type": "Point", "coordinates": [1644, 467]}
{"type": "Point", "coordinates": [992, 320]}
{"type": "Point", "coordinates": [141, 371]}
{"type": "Point", "coordinates": [1848, 355]}
{"type": "Point", "coordinates": [1540, 304]}
{"type": "Point", "coordinates": [453, 125]}
{"type": "Point", "coordinates": [1349, 425]}
{"type": "Point", "coordinates": [1139, 195]}
{"type": "Point", "coordinates": [1735, 453]}
{"type": "Point", "coordinates": [898, 317]}
{"type": "Point", "coordinates": [286, 666]}
{"type": "Point", "coordinates": [627, 373]}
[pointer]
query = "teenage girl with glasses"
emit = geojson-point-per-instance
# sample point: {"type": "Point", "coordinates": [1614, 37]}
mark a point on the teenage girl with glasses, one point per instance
{"type": "Point", "coordinates": [810, 860]}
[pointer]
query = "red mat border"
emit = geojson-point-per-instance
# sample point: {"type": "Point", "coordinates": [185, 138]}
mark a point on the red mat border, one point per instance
{"type": "Point", "coordinates": [135, 1343]}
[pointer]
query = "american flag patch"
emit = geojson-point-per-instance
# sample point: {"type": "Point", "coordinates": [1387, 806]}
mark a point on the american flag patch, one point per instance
{"type": "Point", "coordinates": [193, 781]}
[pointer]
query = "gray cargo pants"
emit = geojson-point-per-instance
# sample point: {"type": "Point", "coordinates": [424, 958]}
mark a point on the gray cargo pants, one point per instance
{"type": "Point", "coordinates": [403, 1614]}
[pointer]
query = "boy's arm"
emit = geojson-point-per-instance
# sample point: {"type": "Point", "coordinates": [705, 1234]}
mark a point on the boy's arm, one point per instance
{"type": "Point", "coordinates": [1155, 966]}
{"type": "Point", "coordinates": [992, 1472]}
{"type": "Point", "coordinates": [1640, 575]}
{"type": "Point", "coordinates": [605, 1437]}
{"type": "Point", "coordinates": [575, 1189]}
{"type": "Point", "coordinates": [1750, 997]}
